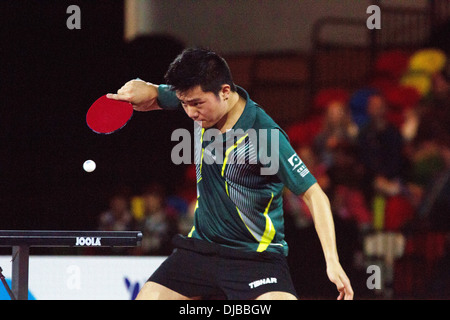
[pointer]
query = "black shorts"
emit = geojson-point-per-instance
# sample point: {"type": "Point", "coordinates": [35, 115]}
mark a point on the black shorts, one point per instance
{"type": "Point", "coordinates": [198, 268]}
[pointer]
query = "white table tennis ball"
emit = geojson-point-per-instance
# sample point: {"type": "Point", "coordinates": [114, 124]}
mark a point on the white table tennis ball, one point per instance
{"type": "Point", "coordinates": [89, 166]}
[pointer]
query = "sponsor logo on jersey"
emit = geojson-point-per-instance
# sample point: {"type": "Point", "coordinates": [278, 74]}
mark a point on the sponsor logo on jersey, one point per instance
{"type": "Point", "coordinates": [298, 165]}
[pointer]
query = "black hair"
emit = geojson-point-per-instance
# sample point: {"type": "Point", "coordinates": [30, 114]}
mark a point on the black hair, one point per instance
{"type": "Point", "coordinates": [198, 66]}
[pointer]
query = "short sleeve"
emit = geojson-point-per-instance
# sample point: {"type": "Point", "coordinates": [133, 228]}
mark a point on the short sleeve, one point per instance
{"type": "Point", "coordinates": [292, 172]}
{"type": "Point", "coordinates": [167, 98]}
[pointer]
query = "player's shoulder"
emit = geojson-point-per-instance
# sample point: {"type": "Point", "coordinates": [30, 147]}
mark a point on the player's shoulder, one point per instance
{"type": "Point", "coordinates": [258, 117]}
{"type": "Point", "coordinates": [263, 120]}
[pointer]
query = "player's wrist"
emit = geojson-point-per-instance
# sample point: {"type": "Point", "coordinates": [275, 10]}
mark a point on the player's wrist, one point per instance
{"type": "Point", "coordinates": [331, 258]}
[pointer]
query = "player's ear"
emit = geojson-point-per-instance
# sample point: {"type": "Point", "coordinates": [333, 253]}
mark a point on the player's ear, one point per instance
{"type": "Point", "coordinates": [225, 91]}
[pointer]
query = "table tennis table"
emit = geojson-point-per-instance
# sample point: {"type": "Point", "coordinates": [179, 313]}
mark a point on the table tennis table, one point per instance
{"type": "Point", "coordinates": [22, 240]}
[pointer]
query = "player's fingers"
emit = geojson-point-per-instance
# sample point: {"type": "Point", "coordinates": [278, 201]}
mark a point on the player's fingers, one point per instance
{"type": "Point", "coordinates": [341, 288]}
{"type": "Point", "coordinates": [345, 289]}
{"type": "Point", "coordinates": [118, 96]}
{"type": "Point", "coordinates": [348, 295]}
{"type": "Point", "coordinates": [348, 290]}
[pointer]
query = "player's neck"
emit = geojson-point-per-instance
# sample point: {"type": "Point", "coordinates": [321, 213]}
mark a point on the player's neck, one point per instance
{"type": "Point", "coordinates": [236, 106]}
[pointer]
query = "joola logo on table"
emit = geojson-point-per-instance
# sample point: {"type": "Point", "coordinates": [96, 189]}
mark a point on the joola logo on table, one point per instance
{"type": "Point", "coordinates": [260, 282]}
{"type": "Point", "coordinates": [88, 241]}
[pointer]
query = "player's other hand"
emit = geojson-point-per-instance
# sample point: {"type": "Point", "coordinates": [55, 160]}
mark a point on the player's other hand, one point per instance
{"type": "Point", "coordinates": [142, 95]}
{"type": "Point", "coordinates": [337, 275]}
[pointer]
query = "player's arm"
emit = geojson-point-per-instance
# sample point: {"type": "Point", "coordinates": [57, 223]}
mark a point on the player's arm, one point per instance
{"type": "Point", "coordinates": [146, 96]}
{"type": "Point", "coordinates": [319, 206]}
{"type": "Point", "coordinates": [297, 178]}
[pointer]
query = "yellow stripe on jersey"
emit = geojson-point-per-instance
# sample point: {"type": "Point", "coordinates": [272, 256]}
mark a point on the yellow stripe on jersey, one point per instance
{"type": "Point", "coordinates": [191, 232]}
{"type": "Point", "coordinates": [228, 152]}
{"type": "Point", "coordinates": [226, 184]}
{"type": "Point", "coordinates": [269, 232]}
{"type": "Point", "coordinates": [195, 209]}
{"type": "Point", "coordinates": [201, 158]}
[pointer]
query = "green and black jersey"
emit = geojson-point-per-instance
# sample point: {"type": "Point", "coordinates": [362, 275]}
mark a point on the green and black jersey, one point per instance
{"type": "Point", "coordinates": [240, 179]}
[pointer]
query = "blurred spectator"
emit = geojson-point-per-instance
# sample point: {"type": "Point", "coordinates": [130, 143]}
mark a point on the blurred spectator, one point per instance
{"type": "Point", "coordinates": [358, 105]}
{"type": "Point", "coordinates": [156, 225]}
{"type": "Point", "coordinates": [429, 153]}
{"type": "Point", "coordinates": [435, 205]}
{"type": "Point", "coordinates": [404, 103]}
{"type": "Point", "coordinates": [331, 157]}
{"type": "Point", "coordinates": [338, 129]}
{"type": "Point", "coordinates": [435, 113]}
{"type": "Point", "coordinates": [118, 217]}
{"type": "Point", "coordinates": [426, 162]}
{"type": "Point", "coordinates": [380, 145]}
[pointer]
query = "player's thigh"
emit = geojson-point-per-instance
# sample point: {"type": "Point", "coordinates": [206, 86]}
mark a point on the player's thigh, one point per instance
{"type": "Point", "coordinates": [276, 295]}
{"type": "Point", "coordinates": [155, 291]}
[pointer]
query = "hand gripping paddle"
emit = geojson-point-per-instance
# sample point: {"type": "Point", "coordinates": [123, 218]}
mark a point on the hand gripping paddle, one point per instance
{"type": "Point", "coordinates": [106, 115]}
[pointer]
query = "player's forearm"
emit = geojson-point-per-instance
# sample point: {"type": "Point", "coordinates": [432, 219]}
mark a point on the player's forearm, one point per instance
{"type": "Point", "coordinates": [152, 98]}
{"type": "Point", "coordinates": [142, 95]}
{"type": "Point", "coordinates": [319, 206]}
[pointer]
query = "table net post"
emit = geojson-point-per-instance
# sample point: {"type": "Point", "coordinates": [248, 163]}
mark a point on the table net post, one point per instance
{"type": "Point", "coordinates": [20, 264]}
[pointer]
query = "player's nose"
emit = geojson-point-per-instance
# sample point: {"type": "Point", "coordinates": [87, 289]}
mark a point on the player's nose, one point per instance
{"type": "Point", "coordinates": [192, 113]}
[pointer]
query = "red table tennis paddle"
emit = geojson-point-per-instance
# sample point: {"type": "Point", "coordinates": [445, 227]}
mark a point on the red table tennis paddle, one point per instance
{"type": "Point", "coordinates": [106, 115]}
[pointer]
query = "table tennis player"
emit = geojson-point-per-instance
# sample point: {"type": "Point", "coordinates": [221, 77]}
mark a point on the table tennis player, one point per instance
{"type": "Point", "coordinates": [236, 248]}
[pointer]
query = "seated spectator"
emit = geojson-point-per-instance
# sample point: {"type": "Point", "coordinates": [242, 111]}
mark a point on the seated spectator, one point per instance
{"type": "Point", "coordinates": [118, 217]}
{"type": "Point", "coordinates": [380, 150]}
{"type": "Point", "coordinates": [380, 143]}
{"type": "Point", "coordinates": [338, 129]}
{"type": "Point", "coordinates": [156, 225]}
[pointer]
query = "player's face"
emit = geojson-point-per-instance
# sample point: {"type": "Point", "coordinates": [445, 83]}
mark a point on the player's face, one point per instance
{"type": "Point", "coordinates": [376, 106]}
{"type": "Point", "coordinates": [203, 106]}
